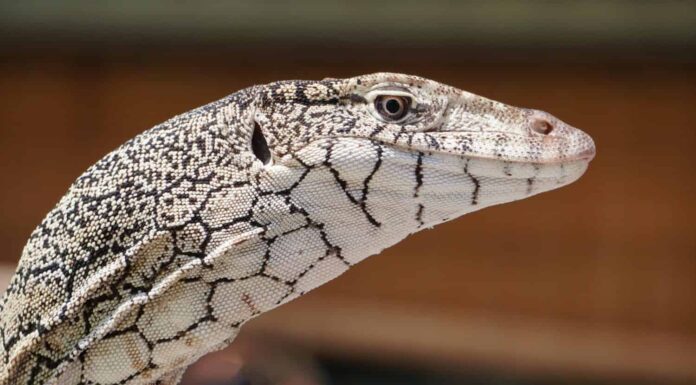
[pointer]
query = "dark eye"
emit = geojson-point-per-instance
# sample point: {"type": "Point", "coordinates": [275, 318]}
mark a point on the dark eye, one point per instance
{"type": "Point", "coordinates": [260, 146]}
{"type": "Point", "coordinates": [392, 107]}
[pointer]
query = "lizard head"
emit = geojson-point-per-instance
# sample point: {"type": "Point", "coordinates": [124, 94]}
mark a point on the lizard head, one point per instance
{"type": "Point", "coordinates": [387, 152]}
{"type": "Point", "coordinates": [167, 245]}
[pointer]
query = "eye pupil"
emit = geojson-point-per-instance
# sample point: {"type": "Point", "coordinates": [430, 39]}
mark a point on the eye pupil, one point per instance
{"type": "Point", "coordinates": [392, 107]}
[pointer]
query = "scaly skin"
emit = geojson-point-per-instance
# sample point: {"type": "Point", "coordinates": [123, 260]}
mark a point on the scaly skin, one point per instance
{"type": "Point", "coordinates": [161, 251]}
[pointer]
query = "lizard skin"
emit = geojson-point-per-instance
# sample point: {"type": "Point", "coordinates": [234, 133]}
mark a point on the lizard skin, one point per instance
{"type": "Point", "coordinates": [163, 249]}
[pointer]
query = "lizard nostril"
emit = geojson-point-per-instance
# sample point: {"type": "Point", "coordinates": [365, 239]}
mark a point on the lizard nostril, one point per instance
{"type": "Point", "coordinates": [542, 126]}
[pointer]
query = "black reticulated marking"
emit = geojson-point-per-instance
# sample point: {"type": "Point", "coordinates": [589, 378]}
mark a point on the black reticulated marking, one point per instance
{"type": "Point", "coordinates": [419, 215]}
{"type": "Point", "coordinates": [419, 174]}
{"type": "Point", "coordinates": [366, 186]}
{"type": "Point", "coordinates": [507, 168]}
{"type": "Point", "coordinates": [475, 181]}
{"type": "Point", "coordinates": [362, 203]}
{"type": "Point", "coordinates": [532, 180]}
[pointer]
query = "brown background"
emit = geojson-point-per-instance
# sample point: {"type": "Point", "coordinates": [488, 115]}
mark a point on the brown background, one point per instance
{"type": "Point", "coordinates": [596, 279]}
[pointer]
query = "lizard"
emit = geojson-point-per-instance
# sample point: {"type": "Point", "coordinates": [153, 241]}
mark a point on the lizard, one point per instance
{"type": "Point", "coordinates": [163, 249]}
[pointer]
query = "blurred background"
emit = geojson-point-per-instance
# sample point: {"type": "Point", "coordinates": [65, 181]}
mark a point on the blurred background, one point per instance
{"type": "Point", "coordinates": [591, 284]}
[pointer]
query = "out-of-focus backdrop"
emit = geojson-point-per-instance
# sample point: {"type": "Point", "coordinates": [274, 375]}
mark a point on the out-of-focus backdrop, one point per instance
{"type": "Point", "coordinates": [593, 283]}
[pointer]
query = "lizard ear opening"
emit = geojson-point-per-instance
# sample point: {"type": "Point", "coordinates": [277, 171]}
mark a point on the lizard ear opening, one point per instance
{"type": "Point", "coordinates": [259, 145]}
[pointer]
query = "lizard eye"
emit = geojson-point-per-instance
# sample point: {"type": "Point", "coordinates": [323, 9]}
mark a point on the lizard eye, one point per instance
{"type": "Point", "coordinates": [392, 107]}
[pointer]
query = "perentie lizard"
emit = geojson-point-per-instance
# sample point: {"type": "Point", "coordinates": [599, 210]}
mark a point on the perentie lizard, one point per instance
{"type": "Point", "coordinates": [163, 249]}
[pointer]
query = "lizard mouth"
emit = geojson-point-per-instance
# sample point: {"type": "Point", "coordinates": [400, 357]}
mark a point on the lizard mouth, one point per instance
{"type": "Point", "coordinates": [502, 147]}
{"type": "Point", "coordinates": [586, 155]}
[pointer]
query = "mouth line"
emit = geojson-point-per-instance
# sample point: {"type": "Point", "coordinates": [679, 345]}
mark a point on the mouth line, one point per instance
{"type": "Point", "coordinates": [466, 146]}
{"type": "Point", "coordinates": [487, 140]}
{"type": "Point", "coordinates": [584, 156]}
